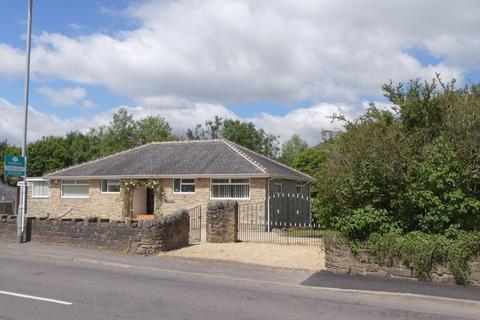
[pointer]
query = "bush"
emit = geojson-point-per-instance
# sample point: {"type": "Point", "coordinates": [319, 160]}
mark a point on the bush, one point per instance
{"type": "Point", "coordinates": [416, 167]}
{"type": "Point", "coordinates": [360, 223]}
{"type": "Point", "coordinates": [421, 251]}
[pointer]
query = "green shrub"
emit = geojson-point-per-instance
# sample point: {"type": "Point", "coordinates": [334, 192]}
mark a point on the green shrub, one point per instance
{"type": "Point", "coordinates": [421, 251]}
{"type": "Point", "coordinates": [360, 223]}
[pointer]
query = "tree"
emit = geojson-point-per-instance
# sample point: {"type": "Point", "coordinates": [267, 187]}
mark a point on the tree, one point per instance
{"type": "Point", "coordinates": [310, 160]}
{"type": "Point", "coordinates": [46, 155]}
{"type": "Point", "coordinates": [153, 128]}
{"type": "Point", "coordinates": [120, 134]}
{"type": "Point", "coordinates": [240, 132]}
{"type": "Point", "coordinates": [291, 148]}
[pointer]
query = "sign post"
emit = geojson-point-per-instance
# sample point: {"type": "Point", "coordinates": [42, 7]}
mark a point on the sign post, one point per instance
{"type": "Point", "coordinates": [14, 166]}
{"type": "Point", "coordinates": [23, 187]}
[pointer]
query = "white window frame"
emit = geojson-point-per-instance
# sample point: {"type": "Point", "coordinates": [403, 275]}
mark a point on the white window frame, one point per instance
{"type": "Point", "coordinates": [184, 183]}
{"type": "Point", "coordinates": [277, 183]}
{"type": "Point", "coordinates": [229, 183]}
{"type": "Point", "coordinates": [77, 182]}
{"type": "Point", "coordinates": [110, 182]}
{"type": "Point", "coordinates": [33, 187]}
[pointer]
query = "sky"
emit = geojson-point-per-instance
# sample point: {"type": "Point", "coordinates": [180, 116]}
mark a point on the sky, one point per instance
{"type": "Point", "coordinates": [284, 65]}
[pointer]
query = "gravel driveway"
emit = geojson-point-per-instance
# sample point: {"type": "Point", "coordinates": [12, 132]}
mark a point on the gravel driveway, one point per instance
{"type": "Point", "coordinates": [302, 257]}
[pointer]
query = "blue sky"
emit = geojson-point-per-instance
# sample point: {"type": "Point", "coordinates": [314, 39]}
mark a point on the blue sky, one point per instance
{"type": "Point", "coordinates": [284, 65]}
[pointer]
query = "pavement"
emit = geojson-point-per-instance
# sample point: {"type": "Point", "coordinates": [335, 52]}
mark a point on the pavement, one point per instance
{"type": "Point", "coordinates": [57, 282]}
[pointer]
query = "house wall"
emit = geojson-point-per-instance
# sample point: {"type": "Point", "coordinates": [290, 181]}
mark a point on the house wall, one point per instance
{"type": "Point", "coordinates": [102, 205]}
{"type": "Point", "coordinates": [175, 201]}
{"type": "Point", "coordinates": [290, 187]}
{"type": "Point", "coordinates": [105, 205]}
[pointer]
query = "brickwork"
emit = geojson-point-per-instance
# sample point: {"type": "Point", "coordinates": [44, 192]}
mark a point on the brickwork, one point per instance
{"type": "Point", "coordinates": [340, 259]}
{"type": "Point", "coordinates": [222, 222]}
{"type": "Point", "coordinates": [130, 236]}
{"type": "Point", "coordinates": [105, 205]}
{"type": "Point", "coordinates": [98, 204]}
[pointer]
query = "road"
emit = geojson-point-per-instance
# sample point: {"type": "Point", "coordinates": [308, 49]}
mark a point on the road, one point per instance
{"type": "Point", "coordinates": [32, 287]}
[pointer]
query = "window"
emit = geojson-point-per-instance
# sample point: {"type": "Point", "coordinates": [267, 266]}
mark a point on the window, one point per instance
{"type": "Point", "coordinates": [278, 186]}
{"type": "Point", "coordinates": [230, 189]}
{"type": "Point", "coordinates": [110, 186]}
{"type": "Point", "coordinates": [75, 188]}
{"type": "Point", "coordinates": [299, 187]}
{"type": "Point", "coordinates": [183, 185]}
{"type": "Point", "coordinates": [40, 189]}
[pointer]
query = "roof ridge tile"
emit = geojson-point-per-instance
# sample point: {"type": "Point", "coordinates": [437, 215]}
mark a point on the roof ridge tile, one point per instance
{"type": "Point", "coordinates": [274, 161]}
{"type": "Point", "coordinates": [236, 149]}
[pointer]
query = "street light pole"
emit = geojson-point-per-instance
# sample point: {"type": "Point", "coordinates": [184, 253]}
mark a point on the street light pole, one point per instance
{"type": "Point", "coordinates": [23, 188]}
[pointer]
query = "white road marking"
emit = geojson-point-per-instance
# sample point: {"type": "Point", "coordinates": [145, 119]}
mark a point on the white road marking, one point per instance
{"type": "Point", "coordinates": [7, 293]}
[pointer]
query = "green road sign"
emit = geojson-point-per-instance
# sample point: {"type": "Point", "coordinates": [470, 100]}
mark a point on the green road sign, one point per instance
{"type": "Point", "coordinates": [14, 166]}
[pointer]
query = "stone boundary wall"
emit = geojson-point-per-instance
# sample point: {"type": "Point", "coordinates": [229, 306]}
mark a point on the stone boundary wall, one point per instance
{"type": "Point", "coordinates": [129, 236]}
{"type": "Point", "coordinates": [339, 258]}
{"type": "Point", "coordinates": [222, 222]}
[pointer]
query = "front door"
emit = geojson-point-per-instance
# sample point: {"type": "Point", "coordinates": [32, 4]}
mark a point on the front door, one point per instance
{"type": "Point", "coordinates": [150, 201]}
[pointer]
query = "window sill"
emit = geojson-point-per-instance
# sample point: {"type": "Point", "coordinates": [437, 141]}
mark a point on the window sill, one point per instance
{"type": "Point", "coordinates": [72, 197]}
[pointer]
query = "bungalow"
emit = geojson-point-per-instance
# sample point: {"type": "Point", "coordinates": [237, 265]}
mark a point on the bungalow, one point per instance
{"type": "Point", "coordinates": [161, 177]}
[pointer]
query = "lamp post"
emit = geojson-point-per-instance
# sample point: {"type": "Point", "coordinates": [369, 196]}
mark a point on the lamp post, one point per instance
{"type": "Point", "coordinates": [23, 187]}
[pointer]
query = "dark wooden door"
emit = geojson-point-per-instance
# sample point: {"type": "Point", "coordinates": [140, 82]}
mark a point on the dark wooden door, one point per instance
{"type": "Point", "coordinates": [150, 201]}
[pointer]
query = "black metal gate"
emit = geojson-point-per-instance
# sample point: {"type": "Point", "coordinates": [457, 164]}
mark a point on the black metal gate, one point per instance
{"type": "Point", "coordinates": [279, 219]}
{"type": "Point", "coordinates": [195, 214]}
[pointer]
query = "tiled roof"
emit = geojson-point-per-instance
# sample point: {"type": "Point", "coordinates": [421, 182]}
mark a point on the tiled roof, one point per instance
{"type": "Point", "coordinates": [182, 158]}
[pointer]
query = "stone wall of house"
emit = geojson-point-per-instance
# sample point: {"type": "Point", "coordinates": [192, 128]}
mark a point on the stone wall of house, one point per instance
{"type": "Point", "coordinates": [174, 201]}
{"type": "Point", "coordinates": [107, 205]}
{"type": "Point", "coordinates": [222, 221]}
{"type": "Point", "coordinates": [340, 259]}
{"type": "Point", "coordinates": [127, 236]}
{"type": "Point", "coordinates": [98, 204]}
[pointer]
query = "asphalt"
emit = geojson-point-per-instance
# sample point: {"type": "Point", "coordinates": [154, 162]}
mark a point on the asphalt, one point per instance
{"type": "Point", "coordinates": [101, 285]}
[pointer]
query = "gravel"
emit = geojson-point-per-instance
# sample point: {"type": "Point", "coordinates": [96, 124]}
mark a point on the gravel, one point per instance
{"type": "Point", "coordinates": [303, 257]}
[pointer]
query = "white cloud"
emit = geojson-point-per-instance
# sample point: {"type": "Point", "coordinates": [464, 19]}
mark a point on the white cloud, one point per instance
{"type": "Point", "coordinates": [42, 124]}
{"type": "Point", "coordinates": [227, 51]}
{"type": "Point", "coordinates": [12, 60]}
{"type": "Point", "coordinates": [308, 122]}
{"type": "Point", "coordinates": [63, 97]}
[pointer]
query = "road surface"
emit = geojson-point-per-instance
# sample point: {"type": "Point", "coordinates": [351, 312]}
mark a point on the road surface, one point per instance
{"type": "Point", "coordinates": [33, 287]}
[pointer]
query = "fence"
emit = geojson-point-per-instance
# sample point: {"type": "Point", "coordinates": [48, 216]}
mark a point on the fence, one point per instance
{"type": "Point", "coordinates": [283, 218]}
{"type": "Point", "coordinates": [195, 214]}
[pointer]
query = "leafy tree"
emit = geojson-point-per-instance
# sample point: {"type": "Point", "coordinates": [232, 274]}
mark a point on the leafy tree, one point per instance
{"type": "Point", "coordinates": [310, 160]}
{"type": "Point", "coordinates": [242, 133]}
{"type": "Point", "coordinates": [153, 128]}
{"type": "Point", "coordinates": [46, 155]}
{"type": "Point", "coordinates": [120, 134]}
{"type": "Point", "coordinates": [291, 148]}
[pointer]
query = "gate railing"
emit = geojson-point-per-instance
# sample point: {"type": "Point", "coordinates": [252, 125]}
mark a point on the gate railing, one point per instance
{"type": "Point", "coordinates": [289, 221]}
{"type": "Point", "coordinates": [195, 214]}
